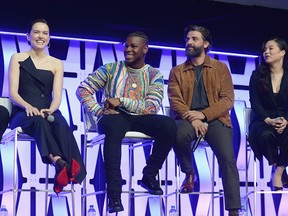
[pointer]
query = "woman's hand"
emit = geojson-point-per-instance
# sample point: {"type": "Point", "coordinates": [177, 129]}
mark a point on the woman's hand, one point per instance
{"type": "Point", "coordinates": [45, 112]}
{"type": "Point", "coordinates": [280, 124]}
{"type": "Point", "coordinates": [31, 111]}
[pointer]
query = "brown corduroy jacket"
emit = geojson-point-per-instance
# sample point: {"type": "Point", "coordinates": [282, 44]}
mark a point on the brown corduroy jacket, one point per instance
{"type": "Point", "coordinates": [218, 85]}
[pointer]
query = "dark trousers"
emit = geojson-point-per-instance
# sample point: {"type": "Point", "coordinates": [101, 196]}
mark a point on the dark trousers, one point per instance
{"type": "Point", "coordinates": [219, 138]}
{"type": "Point", "coordinates": [114, 126]}
{"type": "Point", "coordinates": [51, 138]}
{"type": "Point", "coordinates": [4, 120]}
{"type": "Point", "coordinates": [266, 141]}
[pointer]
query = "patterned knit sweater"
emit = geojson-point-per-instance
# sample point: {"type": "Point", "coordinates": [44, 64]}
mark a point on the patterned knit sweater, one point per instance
{"type": "Point", "coordinates": [142, 89]}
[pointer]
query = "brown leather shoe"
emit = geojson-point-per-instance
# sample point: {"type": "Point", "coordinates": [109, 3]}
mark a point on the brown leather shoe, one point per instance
{"type": "Point", "coordinates": [188, 184]}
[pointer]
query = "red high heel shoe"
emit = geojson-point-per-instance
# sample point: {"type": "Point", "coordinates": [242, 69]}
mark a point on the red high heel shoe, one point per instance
{"type": "Point", "coordinates": [75, 169]}
{"type": "Point", "coordinates": [61, 178]}
{"type": "Point", "coordinates": [57, 188]}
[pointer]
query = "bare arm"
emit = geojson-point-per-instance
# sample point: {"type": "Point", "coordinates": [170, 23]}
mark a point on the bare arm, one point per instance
{"type": "Point", "coordinates": [57, 87]}
{"type": "Point", "coordinates": [14, 74]}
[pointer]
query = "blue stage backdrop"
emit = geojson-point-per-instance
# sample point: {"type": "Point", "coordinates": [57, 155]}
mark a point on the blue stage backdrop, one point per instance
{"type": "Point", "coordinates": [81, 57]}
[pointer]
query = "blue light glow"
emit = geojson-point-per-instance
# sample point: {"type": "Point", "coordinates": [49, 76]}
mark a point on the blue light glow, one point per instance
{"type": "Point", "coordinates": [151, 46]}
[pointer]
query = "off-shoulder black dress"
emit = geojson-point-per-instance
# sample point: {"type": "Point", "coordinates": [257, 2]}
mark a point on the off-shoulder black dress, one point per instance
{"type": "Point", "coordinates": [35, 87]}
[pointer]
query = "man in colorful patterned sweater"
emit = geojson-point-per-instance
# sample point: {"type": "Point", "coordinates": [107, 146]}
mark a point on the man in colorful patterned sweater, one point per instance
{"type": "Point", "coordinates": [133, 93]}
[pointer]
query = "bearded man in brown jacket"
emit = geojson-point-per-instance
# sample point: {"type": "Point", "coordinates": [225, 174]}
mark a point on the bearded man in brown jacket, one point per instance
{"type": "Point", "coordinates": [201, 92]}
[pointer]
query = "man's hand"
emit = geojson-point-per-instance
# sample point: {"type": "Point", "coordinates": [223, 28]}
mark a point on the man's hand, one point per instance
{"type": "Point", "coordinates": [193, 115]}
{"type": "Point", "coordinates": [110, 111]}
{"type": "Point", "coordinates": [111, 103]}
{"type": "Point", "coordinates": [199, 127]}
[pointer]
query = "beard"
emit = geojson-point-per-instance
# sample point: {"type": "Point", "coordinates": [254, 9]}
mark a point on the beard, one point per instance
{"type": "Point", "coordinates": [195, 52]}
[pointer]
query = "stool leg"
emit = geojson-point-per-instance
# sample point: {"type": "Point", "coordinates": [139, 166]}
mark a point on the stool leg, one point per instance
{"type": "Point", "coordinates": [213, 177]}
{"type": "Point", "coordinates": [255, 184]}
{"type": "Point", "coordinates": [46, 189]}
{"type": "Point", "coordinates": [73, 199]}
{"type": "Point", "coordinates": [84, 189]}
{"type": "Point", "coordinates": [166, 187]}
{"type": "Point", "coordinates": [131, 151]}
{"type": "Point", "coordinates": [15, 168]}
{"type": "Point", "coordinates": [177, 186]}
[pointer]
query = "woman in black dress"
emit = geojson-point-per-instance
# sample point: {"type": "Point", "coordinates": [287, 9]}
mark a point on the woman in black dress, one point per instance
{"type": "Point", "coordinates": [36, 82]}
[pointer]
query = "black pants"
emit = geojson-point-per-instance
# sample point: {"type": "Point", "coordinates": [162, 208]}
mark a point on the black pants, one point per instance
{"type": "Point", "coordinates": [265, 140]}
{"type": "Point", "coordinates": [4, 120]}
{"type": "Point", "coordinates": [51, 138]}
{"type": "Point", "coordinates": [219, 137]}
{"type": "Point", "coordinates": [114, 126]}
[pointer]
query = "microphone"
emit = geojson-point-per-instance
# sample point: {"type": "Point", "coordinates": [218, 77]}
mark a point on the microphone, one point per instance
{"type": "Point", "coordinates": [199, 138]}
{"type": "Point", "coordinates": [50, 118]}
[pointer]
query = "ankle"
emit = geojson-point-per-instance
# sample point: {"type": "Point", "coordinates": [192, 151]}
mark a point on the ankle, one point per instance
{"type": "Point", "coordinates": [277, 176]}
{"type": "Point", "coordinates": [54, 159]}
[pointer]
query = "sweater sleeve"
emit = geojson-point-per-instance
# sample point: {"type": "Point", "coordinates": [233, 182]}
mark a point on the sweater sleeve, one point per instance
{"type": "Point", "coordinates": [87, 89]}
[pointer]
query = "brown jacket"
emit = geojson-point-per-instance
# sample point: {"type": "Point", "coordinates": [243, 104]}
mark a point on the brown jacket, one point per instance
{"type": "Point", "coordinates": [218, 85]}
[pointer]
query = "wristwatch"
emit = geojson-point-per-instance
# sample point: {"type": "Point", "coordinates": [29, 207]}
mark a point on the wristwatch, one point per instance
{"type": "Point", "coordinates": [121, 99]}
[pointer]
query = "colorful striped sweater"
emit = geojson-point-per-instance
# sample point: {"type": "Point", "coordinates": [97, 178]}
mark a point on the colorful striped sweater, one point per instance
{"type": "Point", "coordinates": [115, 80]}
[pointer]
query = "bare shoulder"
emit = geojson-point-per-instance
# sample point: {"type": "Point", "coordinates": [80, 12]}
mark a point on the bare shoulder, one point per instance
{"type": "Point", "coordinates": [55, 65]}
{"type": "Point", "coordinates": [55, 61]}
{"type": "Point", "coordinates": [20, 56]}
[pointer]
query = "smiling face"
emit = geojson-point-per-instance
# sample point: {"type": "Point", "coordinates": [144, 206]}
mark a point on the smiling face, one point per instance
{"type": "Point", "coordinates": [39, 35]}
{"type": "Point", "coordinates": [272, 52]}
{"type": "Point", "coordinates": [135, 51]}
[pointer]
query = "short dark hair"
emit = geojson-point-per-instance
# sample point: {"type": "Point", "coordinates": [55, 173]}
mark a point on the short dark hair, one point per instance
{"type": "Point", "coordinates": [141, 35]}
{"type": "Point", "coordinates": [41, 20]}
{"type": "Point", "coordinates": [204, 31]}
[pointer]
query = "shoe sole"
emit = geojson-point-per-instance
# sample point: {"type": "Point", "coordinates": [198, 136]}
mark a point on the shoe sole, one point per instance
{"type": "Point", "coordinates": [116, 209]}
{"type": "Point", "coordinates": [153, 192]}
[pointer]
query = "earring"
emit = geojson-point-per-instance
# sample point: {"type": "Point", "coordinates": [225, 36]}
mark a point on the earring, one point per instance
{"type": "Point", "coordinates": [48, 45]}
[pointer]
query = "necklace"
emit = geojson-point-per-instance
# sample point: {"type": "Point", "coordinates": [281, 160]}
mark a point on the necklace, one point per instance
{"type": "Point", "coordinates": [134, 82]}
{"type": "Point", "coordinates": [199, 77]}
{"type": "Point", "coordinates": [198, 72]}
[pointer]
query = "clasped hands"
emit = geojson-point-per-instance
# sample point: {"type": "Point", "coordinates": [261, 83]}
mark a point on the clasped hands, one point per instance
{"type": "Point", "coordinates": [110, 104]}
{"type": "Point", "coordinates": [195, 118]}
{"type": "Point", "coordinates": [279, 124]}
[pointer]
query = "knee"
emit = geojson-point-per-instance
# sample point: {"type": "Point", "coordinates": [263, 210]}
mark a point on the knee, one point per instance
{"type": "Point", "coordinates": [266, 135]}
{"type": "Point", "coordinates": [39, 120]}
{"type": "Point", "coordinates": [227, 159]}
{"type": "Point", "coordinates": [4, 113]}
{"type": "Point", "coordinates": [182, 138]}
{"type": "Point", "coordinates": [169, 128]}
{"type": "Point", "coordinates": [172, 129]}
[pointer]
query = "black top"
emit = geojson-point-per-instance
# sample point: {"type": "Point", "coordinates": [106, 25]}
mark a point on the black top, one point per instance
{"type": "Point", "coordinates": [35, 85]}
{"type": "Point", "coordinates": [199, 100]}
